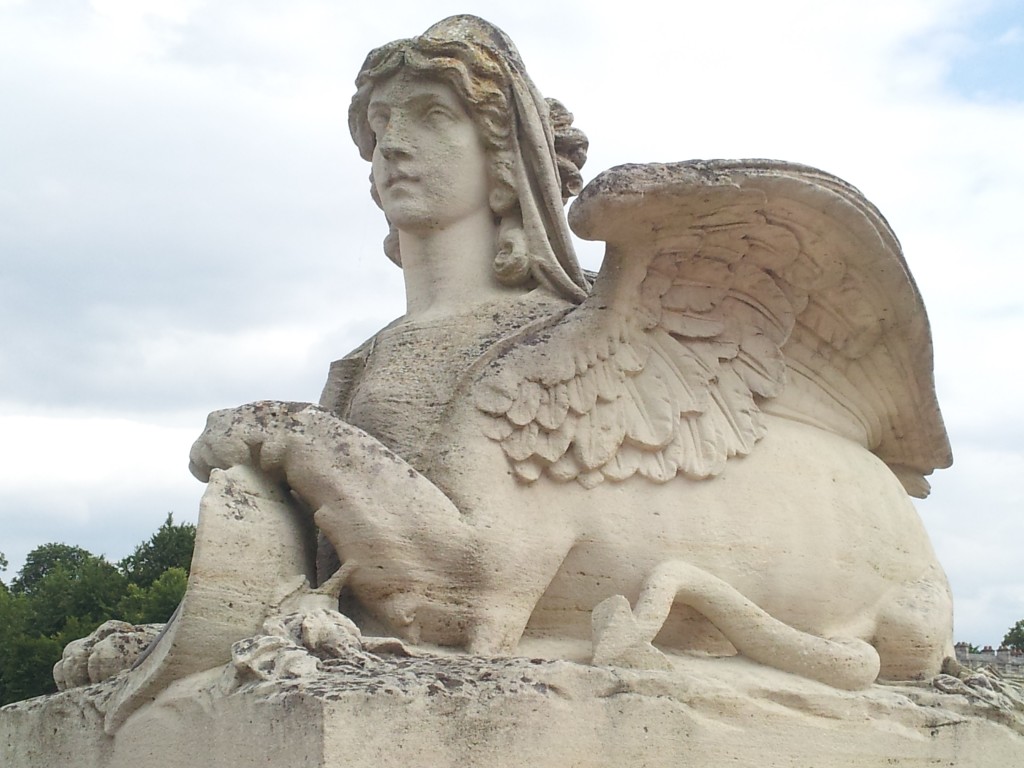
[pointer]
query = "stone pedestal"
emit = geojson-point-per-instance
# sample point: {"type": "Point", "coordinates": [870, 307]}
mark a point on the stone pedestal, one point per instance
{"type": "Point", "coordinates": [427, 712]}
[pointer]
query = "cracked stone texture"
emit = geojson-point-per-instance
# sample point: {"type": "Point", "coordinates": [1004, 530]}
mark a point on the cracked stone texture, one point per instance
{"type": "Point", "coordinates": [353, 707]}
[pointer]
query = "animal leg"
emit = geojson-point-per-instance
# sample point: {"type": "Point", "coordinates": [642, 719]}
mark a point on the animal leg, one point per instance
{"type": "Point", "coordinates": [840, 662]}
{"type": "Point", "coordinates": [515, 578]}
{"type": "Point", "coordinates": [915, 629]}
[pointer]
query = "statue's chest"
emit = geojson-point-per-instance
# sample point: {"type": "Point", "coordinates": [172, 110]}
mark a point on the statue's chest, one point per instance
{"type": "Point", "coordinates": [410, 379]}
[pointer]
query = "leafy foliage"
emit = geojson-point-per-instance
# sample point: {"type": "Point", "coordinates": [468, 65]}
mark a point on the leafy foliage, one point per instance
{"type": "Point", "coordinates": [153, 604]}
{"type": "Point", "coordinates": [44, 560]}
{"type": "Point", "coordinates": [64, 592]}
{"type": "Point", "coordinates": [170, 547]}
{"type": "Point", "coordinates": [1015, 637]}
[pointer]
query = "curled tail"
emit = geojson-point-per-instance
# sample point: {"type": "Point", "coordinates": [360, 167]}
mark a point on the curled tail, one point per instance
{"type": "Point", "coordinates": [623, 637]}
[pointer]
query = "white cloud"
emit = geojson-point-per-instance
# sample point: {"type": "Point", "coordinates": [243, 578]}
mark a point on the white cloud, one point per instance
{"type": "Point", "coordinates": [1012, 36]}
{"type": "Point", "coordinates": [184, 223]}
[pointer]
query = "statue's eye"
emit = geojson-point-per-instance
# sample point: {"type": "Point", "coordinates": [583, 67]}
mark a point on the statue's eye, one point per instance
{"type": "Point", "coordinates": [438, 114]}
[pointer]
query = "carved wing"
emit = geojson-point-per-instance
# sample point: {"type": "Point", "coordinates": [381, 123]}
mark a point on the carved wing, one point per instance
{"type": "Point", "coordinates": [728, 289]}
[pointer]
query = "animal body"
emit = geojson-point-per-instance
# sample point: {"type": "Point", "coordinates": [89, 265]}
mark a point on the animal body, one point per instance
{"type": "Point", "coordinates": [721, 428]}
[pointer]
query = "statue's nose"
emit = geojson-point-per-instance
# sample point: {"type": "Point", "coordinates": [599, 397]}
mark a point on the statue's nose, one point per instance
{"type": "Point", "coordinates": [394, 141]}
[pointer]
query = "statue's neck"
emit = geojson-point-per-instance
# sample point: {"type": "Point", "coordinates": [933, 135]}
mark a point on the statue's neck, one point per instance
{"type": "Point", "coordinates": [446, 271]}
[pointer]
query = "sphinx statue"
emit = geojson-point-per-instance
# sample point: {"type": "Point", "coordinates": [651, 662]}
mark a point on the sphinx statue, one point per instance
{"type": "Point", "coordinates": [707, 447]}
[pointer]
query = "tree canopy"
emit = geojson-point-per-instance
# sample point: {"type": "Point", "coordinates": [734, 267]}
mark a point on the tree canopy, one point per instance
{"type": "Point", "coordinates": [170, 547]}
{"type": "Point", "coordinates": [1015, 637]}
{"type": "Point", "coordinates": [64, 592]}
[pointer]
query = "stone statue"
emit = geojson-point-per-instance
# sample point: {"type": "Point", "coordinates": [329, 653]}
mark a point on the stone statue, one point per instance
{"type": "Point", "coordinates": [706, 447]}
{"type": "Point", "coordinates": [721, 428]}
{"type": "Point", "coordinates": [652, 516]}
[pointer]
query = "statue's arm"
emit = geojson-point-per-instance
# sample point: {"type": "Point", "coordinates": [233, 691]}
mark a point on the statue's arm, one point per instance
{"type": "Point", "coordinates": [327, 463]}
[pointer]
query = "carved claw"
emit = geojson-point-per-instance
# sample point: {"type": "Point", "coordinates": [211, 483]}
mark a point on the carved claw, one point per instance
{"type": "Point", "coordinates": [252, 435]}
{"type": "Point", "coordinates": [620, 641]}
{"type": "Point", "coordinates": [336, 582]}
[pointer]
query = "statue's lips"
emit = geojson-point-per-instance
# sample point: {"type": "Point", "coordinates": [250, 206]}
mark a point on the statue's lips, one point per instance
{"type": "Point", "coordinates": [395, 179]}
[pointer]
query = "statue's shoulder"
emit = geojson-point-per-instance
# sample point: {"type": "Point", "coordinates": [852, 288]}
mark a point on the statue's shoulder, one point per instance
{"type": "Point", "coordinates": [343, 375]}
{"type": "Point", "coordinates": [500, 328]}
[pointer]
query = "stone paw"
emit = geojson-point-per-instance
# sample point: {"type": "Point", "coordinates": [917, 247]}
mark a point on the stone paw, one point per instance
{"type": "Point", "coordinates": [618, 639]}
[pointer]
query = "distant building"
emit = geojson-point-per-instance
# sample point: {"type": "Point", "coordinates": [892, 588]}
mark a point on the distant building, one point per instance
{"type": "Point", "coordinates": [1008, 662]}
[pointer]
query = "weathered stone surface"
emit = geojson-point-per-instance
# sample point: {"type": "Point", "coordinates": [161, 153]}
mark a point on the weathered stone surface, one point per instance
{"type": "Point", "coordinates": [738, 405]}
{"type": "Point", "coordinates": [380, 711]}
{"type": "Point", "coordinates": [113, 647]}
{"type": "Point", "coordinates": [679, 488]}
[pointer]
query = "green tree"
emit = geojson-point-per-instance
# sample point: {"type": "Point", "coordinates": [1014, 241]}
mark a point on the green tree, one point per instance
{"type": "Point", "coordinates": [61, 594]}
{"type": "Point", "coordinates": [156, 603]}
{"type": "Point", "coordinates": [64, 592]}
{"type": "Point", "coordinates": [45, 559]}
{"type": "Point", "coordinates": [89, 593]}
{"type": "Point", "coordinates": [1015, 637]}
{"type": "Point", "coordinates": [170, 547]}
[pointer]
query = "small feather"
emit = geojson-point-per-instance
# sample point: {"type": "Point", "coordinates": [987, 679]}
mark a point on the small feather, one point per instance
{"type": "Point", "coordinates": [599, 435]}
{"type": "Point", "coordinates": [677, 453]}
{"type": "Point", "coordinates": [628, 358]}
{"type": "Point", "coordinates": [497, 428]}
{"type": "Point", "coordinates": [651, 412]}
{"type": "Point", "coordinates": [581, 359]}
{"type": "Point", "coordinates": [654, 467]}
{"type": "Point", "coordinates": [648, 308]}
{"type": "Point", "coordinates": [733, 217]}
{"type": "Point", "coordinates": [760, 291]}
{"type": "Point", "coordinates": [582, 392]}
{"type": "Point", "coordinates": [688, 296]}
{"type": "Point", "coordinates": [693, 326]}
{"type": "Point", "coordinates": [623, 464]}
{"type": "Point", "coordinates": [553, 406]}
{"type": "Point", "coordinates": [566, 468]}
{"type": "Point", "coordinates": [555, 361]}
{"type": "Point", "coordinates": [608, 380]}
{"type": "Point", "coordinates": [760, 365]}
{"type": "Point", "coordinates": [491, 397]}
{"type": "Point", "coordinates": [728, 254]}
{"type": "Point", "coordinates": [527, 471]}
{"type": "Point", "coordinates": [550, 446]}
{"type": "Point", "coordinates": [524, 409]}
{"type": "Point", "coordinates": [773, 247]}
{"type": "Point", "coordinates": [522, 443]}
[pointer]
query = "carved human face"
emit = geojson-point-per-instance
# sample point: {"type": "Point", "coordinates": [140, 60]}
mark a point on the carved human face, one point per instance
{"type": "Point", "coordinates": [430, 167]}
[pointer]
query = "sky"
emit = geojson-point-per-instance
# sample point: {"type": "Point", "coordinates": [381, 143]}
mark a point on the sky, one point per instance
{"type": "Point", "coordinates": [185, 224]}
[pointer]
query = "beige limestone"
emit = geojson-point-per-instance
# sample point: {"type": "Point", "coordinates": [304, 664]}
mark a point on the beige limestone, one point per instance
{"type": "Point", "coordinates": [113, 647]}
{"type": "Point", "coordinates": [680, 485]}
{"type": "Point", "coordinates": [346, 706]}
{"type": "Point", "coordinates": [743, 396]}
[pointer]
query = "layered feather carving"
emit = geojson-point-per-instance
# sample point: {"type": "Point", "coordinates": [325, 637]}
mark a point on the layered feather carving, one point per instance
{"type": "Point", "coordinates": [720, 282]}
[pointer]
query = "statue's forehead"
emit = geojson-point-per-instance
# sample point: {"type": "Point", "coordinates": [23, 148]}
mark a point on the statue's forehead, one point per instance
{"type": "Point", "coordinates": [406, 87]}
